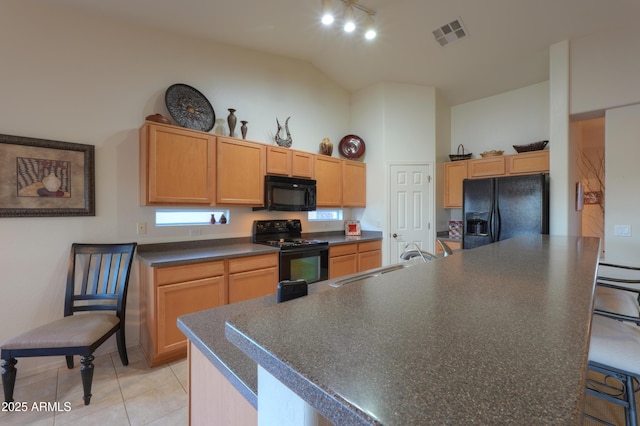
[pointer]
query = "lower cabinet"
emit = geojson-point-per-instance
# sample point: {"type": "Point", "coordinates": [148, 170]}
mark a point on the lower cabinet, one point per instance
{"type": "Point", "coordinates": [345, 259]}
{"type": "Point", "coordinates": [169, 292]}
{"type": "Point", "coordinates": [251, 277]}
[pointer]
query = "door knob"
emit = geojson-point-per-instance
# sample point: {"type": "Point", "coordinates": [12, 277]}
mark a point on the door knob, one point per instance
{"type": "Point", "coordinates": [395, 235]}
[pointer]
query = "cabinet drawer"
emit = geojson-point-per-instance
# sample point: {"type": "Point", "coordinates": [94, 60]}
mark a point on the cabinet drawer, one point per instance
{"type": "Point", "coordinates": [250, 263]}
{"type": "Point", "coordinates": [343, 249]}
{"type": "Point", "coordinates": [369, 246]}
{"type": "Point", "coordinates": [191, 272]}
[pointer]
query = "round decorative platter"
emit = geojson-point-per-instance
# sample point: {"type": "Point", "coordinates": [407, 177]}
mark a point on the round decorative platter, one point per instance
{"type": "Point", "coordinates": [189, 108]}
{"type": "Point", "coordinates": [351, 146]}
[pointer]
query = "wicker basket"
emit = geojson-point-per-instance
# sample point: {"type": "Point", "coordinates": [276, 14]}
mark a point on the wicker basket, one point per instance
{"type": "Point", "coordinates": [535, 146]}
{"type": "Point", "coordinates": [460, 155]}
{"type": "Point", "coordinates": [492, 153]}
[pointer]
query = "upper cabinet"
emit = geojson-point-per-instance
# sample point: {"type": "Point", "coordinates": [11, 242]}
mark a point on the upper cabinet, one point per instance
{"type": "Point", "coordinates": [240, 172]}
{"type": "Point", "coordinates": [528, 162]}
{"type": "Point", "coordinates": [519, 164]}
{"type": "Point", "coordinates": [454, 173]}
{"type": "Point", "coordinates": [354, 184]}
{"type": "Point", "coordinates": [183, 167]}
{"type": "Point", "coordinates": [486, 167]}
{"type": "Point", "coordinates": [176, 166]}
{"type": "Point", "coordinates": [328, 175]}
{"type": "Point", "coordinates": [288, 162]}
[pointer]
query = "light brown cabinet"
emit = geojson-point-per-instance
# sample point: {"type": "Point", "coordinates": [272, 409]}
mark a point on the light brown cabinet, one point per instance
{"type": "Point", "coordinates": [343, 260]}
{"type": "Point", "coordinates": [486, 167]}
{"type": "Point", "coordinates": [369, 255]}
{"type": "Point", "coordinates": [528, 162]}
{"type": "Point", "coordinates": [169, 292]}
{"type": "Point", "coordinates": [454, 173]}
{"type": "Point", "coordinates": [328, 175]}
{"type": "Point", "coordinates": [354, 184]}
{"type": "Point", "coordinates": [288, 162]}
{"type": "Point", "coordinates": [240, 172]}
{"type": "Point", "coordinates": [519, 164]}
{"type": "Point", "coordinates": [165, 294]}
{"type": "Point", "coordinates": [176, 166]}
{"type": "Point", "coordinates": [251, 277]}
{"type": "Point", "coordinates": [346, 259]}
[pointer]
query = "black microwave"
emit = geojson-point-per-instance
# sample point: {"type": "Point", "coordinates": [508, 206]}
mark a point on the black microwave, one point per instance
{"type": "Point", "coordinates": [289, 194]}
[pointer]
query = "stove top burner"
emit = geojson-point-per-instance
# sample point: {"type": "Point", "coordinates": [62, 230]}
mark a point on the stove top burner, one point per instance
{"type": "Point", "coordinates": [284, 234]}
{"type": "Point", "coordinates": [285, 242]}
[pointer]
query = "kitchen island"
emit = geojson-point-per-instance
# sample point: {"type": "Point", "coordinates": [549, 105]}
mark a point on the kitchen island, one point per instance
{"type": "Point", "coordinates": [494, 335]}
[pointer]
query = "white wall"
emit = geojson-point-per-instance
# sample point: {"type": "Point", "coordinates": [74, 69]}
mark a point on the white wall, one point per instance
{"type": "Point", "coordinates": [78, 78]}
{"type": "Point", "coordinates": [622, 196]}
{"type": "Point", "coordinates": [604, 70]}
{"type": "Point", "coordinates": [400, 123]}
{"type": "Point", "coordinates": [498, 122]}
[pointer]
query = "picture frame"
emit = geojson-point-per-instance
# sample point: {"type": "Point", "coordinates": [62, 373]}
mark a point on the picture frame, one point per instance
{"type": "Point", "coordinates": [593, 197]}
{"type": "Point", "coordinates": [352, 228]}
{"type": "Point", "coordinates": [46, 178]}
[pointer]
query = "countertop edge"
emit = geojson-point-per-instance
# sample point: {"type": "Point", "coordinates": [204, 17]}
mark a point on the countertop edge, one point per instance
{"type": "Point", "coordinates": [332, 407]}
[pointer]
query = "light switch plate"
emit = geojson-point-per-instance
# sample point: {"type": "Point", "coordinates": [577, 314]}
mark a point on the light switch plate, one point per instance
{"type": "Point", "coordinates": [622, 230]}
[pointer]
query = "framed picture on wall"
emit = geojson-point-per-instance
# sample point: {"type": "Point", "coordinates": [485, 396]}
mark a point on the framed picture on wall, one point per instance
{"type": "Point", "coordinates": [40, 178]}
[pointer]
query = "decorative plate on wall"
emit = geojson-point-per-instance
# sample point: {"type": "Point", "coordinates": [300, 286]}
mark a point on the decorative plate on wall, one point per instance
{"type": "Point", "coordinates": [351, 146]}
{"type": "Point", "coordinates": [189, 108]}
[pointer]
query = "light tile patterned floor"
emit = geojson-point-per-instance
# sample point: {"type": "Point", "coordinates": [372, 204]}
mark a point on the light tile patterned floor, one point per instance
{"type": "Point", "coordinates": [132, 395]}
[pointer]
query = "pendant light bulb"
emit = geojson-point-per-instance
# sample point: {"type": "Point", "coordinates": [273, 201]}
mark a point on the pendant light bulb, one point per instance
{"type": "Point", "coordinates": [349, 20]}
{"type": "Point", "coordinates": [327, 12]}
{"type": "Point", "coordinates": [370, 28]}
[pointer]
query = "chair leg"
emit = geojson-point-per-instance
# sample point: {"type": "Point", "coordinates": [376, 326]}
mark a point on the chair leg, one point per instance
{"type": "Point", "coordinates": [69, 361]}
{"type": "Point", "coordinates": [122, 346]}
{"type": "Point", "coordinates": [9, 378]}
{"type": "Point", "coordinates": [632, 419]}
{"type": "Point", "coordinates": [86, 371]}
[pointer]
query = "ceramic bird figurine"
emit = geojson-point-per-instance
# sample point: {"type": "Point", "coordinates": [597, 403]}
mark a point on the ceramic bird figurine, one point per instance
{"type": "Point", "coordinates": [283, 142]}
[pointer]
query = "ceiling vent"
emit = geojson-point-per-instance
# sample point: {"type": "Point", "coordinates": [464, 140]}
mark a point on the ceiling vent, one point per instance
{"type": "Point", "coordinates": [450, 33]}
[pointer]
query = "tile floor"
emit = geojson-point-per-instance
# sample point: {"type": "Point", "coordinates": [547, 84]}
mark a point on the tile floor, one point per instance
{"type": "Point", "coordinates": [132, 395]}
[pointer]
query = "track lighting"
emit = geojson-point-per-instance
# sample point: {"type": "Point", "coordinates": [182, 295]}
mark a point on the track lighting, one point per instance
{"type": "Point", "coordinates": [349, 20]}
{"type": "Point", "coordinates": [327, 12]}
{"type": "Point", "coordinates": [349, 17]}
{"type": "Point", "coordinates": [370, 28]}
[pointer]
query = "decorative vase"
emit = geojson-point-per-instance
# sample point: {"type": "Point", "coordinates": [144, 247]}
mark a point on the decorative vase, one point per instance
{"type": "Point", "coordinates": [213, 219]}
{"type": "Point", "coordinates": [51, 182]}
{"type": "Point", "coordinates": [243, 129]}
{"type": "Point", "coordinates": [326, 147]}
{"type": "Point", "coordinates": [231, 121]}
{"type": "Point", "coordinates": [223, 219]}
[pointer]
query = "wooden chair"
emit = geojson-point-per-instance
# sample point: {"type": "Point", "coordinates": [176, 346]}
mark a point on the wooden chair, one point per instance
{"type": "Point", "coordinates": [614, 350]}
{"type": "Point", "coordinates": [97, 281]}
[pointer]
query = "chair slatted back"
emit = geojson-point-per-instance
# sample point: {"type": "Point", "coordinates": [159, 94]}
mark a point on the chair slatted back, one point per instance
{"type": "Point", "coordinates": [98, 277]}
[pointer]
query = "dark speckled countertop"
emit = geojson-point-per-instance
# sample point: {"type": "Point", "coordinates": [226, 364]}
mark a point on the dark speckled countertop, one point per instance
{"type": "Point", "coordinates": [185, 252]}
{"type": "Point", "coordinates": [493, 335]}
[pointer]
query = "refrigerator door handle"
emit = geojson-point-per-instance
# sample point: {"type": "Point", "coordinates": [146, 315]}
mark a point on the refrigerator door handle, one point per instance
{"type": "Point", "coordinates": [490, 224]}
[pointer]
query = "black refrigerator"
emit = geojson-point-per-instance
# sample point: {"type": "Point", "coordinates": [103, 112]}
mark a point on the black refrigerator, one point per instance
{"type": "Point", "coordinates": [495, 209]}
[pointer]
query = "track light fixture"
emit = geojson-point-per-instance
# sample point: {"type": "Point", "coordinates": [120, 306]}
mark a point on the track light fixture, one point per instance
{"type": "Point", "coordinates": [349, 16]}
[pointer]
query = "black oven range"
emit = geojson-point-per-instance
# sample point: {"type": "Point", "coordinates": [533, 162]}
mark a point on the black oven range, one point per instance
{"type": "Point", "coordinates": [299, 258]}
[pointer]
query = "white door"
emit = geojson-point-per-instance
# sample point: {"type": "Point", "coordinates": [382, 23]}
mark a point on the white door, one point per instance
{"type": "Point", "coordinates": [410, 214]}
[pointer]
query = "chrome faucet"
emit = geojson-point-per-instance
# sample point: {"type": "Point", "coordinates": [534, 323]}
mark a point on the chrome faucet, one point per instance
{"type": "Point", "coordinates": [414, 252]}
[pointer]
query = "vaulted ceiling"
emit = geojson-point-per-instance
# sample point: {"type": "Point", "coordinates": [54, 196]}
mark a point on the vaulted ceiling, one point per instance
{"type": "Point", "coordinates": [507, 46]}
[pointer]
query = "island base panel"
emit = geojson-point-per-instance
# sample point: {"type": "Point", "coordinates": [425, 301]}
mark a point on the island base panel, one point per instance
{"type": "Point", "coordinates": [280, 405]}
{"type": "Point", "coordinates": [212, 399]}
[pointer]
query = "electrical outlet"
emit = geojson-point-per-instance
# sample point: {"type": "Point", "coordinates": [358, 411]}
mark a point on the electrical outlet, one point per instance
{"type": "Point", "coordinates": [142, 228]}
{"type": "Point", "coordinates": [622, 230]}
